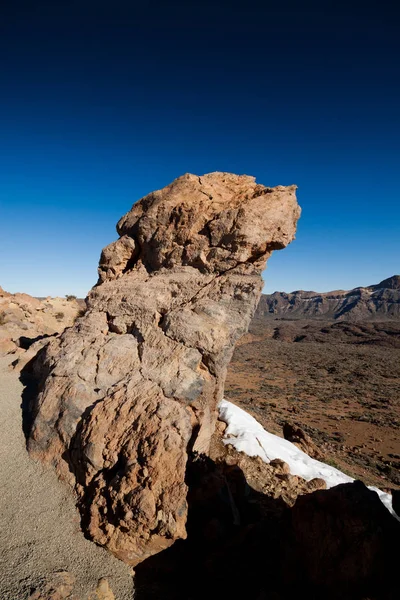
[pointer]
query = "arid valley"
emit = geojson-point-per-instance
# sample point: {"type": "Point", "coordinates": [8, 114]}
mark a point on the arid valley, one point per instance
{"type": "Point", "coordinates": [338, 381]}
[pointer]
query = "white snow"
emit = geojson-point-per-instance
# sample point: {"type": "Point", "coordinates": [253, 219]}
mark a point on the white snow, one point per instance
{"type": "Point", "coordinates": [247, 435]}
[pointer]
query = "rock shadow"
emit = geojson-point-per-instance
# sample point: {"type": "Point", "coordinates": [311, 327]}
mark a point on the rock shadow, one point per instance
{"type": "Point", "coordinates": [25, 342]}
{"type": "Point", "coordinates": [223, 509]}
{"type": "Point", "coordinates": [29, 395]}
{"type": "Point", "coordinates": [333, 544]}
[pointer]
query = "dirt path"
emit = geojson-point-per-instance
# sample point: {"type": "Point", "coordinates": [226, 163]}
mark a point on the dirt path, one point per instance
{"type": "Point", "coordinates": [39, 524]}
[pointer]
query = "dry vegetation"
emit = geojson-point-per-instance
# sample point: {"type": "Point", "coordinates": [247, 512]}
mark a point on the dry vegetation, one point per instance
{"type": "Point", "coordinates": [339, 381]}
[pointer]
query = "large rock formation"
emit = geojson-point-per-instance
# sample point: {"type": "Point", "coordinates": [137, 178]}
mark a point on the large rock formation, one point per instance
{"type": "Point", "coordinates": [133, 386]}
{"type": "Point", "coordinates": [379, 302]}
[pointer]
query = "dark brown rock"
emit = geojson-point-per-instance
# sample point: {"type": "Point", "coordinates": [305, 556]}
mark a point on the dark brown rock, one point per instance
{"type": "Point", "coordinates": [296, 435]}
{"type": "Point", "coordinates": [340, 543]}
{"type": "Point", "coordinates": [345, 541]}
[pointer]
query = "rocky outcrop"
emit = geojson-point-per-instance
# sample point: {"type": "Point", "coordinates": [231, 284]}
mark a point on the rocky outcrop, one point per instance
{"type": "Point", "coordinates": [133, 386]}
{"type": "Point", "coordinates": [24, 318]}
{"type": "Point", "coordinates": [378, 302]}
{"type": "Point", "coordinates": [270, 480]}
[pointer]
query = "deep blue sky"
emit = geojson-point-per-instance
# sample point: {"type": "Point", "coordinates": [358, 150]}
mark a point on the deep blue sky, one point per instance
{"type": "Point", "coordinates": [102, 102]}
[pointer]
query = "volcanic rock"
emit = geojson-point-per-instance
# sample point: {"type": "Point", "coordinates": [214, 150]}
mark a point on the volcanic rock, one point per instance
{"type": "Point", "coordinates": [295, 434]}
{"type": "Point", "coordinates": [133, 386]}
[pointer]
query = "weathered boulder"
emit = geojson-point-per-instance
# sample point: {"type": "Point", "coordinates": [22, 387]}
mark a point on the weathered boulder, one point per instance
{"type": "Point", "coordinates": [133, 386]}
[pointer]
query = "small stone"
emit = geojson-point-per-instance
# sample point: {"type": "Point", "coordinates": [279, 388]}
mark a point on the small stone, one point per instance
{"type": "Point", "coordinates": [316, 484]}
{"type": "Point", "coordinates": [220, 427]}
{"type": "Point", "coordinates": [277, 463]}
{"type": "Point", "coordinates": [231, 460]}
{"type": "Point", "coordinates": [103, 590]}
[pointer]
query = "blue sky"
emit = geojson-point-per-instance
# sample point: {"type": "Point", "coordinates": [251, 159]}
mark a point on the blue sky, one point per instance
{"type": "Point", "coordinates": [100, 103]}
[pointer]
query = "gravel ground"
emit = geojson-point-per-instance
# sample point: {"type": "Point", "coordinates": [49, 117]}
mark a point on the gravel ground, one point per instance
{"type": "Point", "coordinates": [39, 524]}
{"type": "Point", "coordinates": [338, 381]}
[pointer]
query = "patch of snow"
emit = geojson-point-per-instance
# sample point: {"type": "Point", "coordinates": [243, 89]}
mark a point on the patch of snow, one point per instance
{"type": "Point", "coordinates": [246, 435]}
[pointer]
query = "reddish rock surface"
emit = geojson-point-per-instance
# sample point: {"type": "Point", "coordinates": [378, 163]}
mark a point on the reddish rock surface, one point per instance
{"type": "Point", "coordinates": [133, 386]}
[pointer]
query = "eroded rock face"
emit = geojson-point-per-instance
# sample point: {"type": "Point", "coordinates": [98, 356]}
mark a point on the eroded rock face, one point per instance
{"type": "Point", "coordinates": [134, 385]}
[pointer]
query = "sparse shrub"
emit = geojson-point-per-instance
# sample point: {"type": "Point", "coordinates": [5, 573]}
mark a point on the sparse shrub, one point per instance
{"type": "Point", "coordinates": [70, 297]}
{"type": "Point", "coordinates": [2, 319]}
{"type": "Point", "coordinates": [59, 316]}
{"type": "Point", "coordinates": [80, 313]}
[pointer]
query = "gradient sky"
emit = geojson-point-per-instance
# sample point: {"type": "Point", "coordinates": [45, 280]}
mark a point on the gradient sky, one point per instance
{"type": "Point", "coordinates": [103, 102]}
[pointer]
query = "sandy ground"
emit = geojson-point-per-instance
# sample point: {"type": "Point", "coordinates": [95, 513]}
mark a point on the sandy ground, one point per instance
{"type": "Point", "coordinates": [39, 524]}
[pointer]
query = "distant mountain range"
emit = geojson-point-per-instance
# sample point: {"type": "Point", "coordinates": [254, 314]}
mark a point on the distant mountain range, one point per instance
{"type": "Point", "coordinates": [376, 302]}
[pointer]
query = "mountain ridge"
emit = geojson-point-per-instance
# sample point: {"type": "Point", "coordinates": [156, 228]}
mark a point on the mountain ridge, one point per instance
{"type": "Point", "coordinates": [379, 301]}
